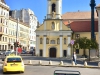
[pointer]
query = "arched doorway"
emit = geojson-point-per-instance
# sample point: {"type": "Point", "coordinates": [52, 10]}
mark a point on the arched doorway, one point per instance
{"type": "Point", "coordinates": [52, 52]}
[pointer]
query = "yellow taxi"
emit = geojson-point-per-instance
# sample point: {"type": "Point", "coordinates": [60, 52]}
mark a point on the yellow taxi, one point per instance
{"type": "Point", "coordinates": [13, 63]}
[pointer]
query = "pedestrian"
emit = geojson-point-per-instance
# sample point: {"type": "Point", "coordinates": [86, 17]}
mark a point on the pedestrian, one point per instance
{"type": "Point", "coordinates": [33, 53]}
{"type": "Point", "coordinates": [74, 58]}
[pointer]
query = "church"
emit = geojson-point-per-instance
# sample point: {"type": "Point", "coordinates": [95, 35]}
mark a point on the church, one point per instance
{"type": "Point", "coordinates": [53, 37]}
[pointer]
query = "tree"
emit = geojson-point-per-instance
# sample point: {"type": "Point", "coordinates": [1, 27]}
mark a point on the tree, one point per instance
{"type": "Point", "coordinates": [85, 43]}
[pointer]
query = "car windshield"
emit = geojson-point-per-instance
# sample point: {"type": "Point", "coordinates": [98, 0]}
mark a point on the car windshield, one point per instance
{"type": "Point", "coordinates": [14, 59]}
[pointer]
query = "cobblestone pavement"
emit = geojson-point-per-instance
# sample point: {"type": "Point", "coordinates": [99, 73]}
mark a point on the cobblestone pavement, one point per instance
{"type": "Point", "coordinates": [48, 70]}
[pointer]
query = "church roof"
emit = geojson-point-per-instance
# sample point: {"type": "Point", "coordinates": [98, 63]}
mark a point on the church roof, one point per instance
{"type": "Point", "coordinates": [82, 26]}
{"type": "Point", "coordinates": [3, 1]}
{"type": "Point", "coordinates": [78, 15]}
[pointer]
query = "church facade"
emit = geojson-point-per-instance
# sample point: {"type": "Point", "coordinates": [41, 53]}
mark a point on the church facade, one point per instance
{"type": "Point", "coordinates": [53, 37]}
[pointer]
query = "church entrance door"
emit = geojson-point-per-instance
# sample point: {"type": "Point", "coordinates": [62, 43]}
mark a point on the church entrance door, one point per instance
{"type": "Point", "coordinates": [52, 52]}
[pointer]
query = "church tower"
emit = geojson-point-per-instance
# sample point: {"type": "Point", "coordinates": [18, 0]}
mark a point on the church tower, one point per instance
{"type": "Point", "coordinates": [54, 9]}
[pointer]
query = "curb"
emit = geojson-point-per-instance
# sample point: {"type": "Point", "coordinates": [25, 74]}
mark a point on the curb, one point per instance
{"type": "Point", "coordinates": [95, 67]}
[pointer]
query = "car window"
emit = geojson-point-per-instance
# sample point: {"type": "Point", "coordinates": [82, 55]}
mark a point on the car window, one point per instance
{"type": "Point", "coordinates": [13, 60]}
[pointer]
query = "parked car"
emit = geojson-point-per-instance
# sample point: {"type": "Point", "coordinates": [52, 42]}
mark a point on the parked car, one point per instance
{"type": "Point", "coordinates": [24, 52]}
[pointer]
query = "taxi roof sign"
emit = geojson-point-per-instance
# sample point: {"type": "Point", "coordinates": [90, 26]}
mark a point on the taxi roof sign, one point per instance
{"type": "Point", "coordinates": [12, 54]}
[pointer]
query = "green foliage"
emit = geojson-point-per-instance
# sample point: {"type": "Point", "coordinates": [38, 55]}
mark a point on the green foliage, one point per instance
{"type": "Point", "coordinates": [84, 43]}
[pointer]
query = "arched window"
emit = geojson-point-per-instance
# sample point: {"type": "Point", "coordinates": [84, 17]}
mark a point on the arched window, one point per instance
{"type": "Point", "coordinates": [41, 40]}
{"type": "Point", "coordinates": [58, 41]}
{"type": "Point", "coordinates": [64, 40]}
{"type": "Point", "coordinates": [47, 40]}
{"type": "Point", "coordinates": [53, 25]}
{"type": "Point", "coordinates": [53, 7]}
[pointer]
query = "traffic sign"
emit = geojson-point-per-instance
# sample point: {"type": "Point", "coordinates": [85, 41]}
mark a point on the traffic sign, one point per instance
{"type": "Point", "coordinates": [72, 42]}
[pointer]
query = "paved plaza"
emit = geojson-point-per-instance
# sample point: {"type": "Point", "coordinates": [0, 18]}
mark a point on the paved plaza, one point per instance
{"type": "Point", "coordinates": [48, 70]}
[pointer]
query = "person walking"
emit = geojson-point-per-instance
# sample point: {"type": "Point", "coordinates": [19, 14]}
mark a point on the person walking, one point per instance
{"type": "Point", "coordinates": [74, 58]}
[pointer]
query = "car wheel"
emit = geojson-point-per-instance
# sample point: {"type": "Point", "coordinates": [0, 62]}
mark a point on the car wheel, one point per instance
{"type": "Point", "coordinates": [22, 71]}
{"type": "Point", "coordinates": [4, 72]}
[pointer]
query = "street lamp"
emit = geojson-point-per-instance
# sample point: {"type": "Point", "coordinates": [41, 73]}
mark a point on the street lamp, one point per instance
{"type": "Point", "coordinates": [17, 35]}
{"type": "Point", "coordinates": [92, 5]}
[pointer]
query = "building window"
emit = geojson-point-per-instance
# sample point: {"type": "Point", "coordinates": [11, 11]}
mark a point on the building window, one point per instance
{"type": "Point", "coordinates": [77, 36]}
{"type": "Point", "coordinates": [1, 20]}
{"type": "Point", "coordinates": [52, 42]}
{"type": "Point", "coordinates": [0, 29]}
{"type": "Point", "coordinates": [47, 40]}
{"type": "Point", "coordinates": [53, 7]}
{"type": "Point", "coordinates": [41, 41]}
{"type": "Point", "coordinates": [64, 53]}
{"type": "Point", "coordinates": [58, 41]}
{"type": "Point", "coordinates": [77, 51]}
{"type": "Point", "coordinates": [64, 40]}
{"type": "Point", "coordinates": [41, 52]}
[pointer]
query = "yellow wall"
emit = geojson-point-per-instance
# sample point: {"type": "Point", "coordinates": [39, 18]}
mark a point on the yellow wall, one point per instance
{"type": "Point", "coordinates": [85, 34]}
{"type": "Point", "coordinates": [57, 46]}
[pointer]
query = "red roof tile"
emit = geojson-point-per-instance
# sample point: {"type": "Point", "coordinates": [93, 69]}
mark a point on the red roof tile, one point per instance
{"type": "Point", "coordinates": [82, 26]}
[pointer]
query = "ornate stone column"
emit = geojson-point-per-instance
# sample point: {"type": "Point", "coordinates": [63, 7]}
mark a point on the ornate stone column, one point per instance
{"type": "Point", "coordinates": [44, 45]}
{"type": "Point", "coordinates": [61, 45]}
{"type": "Point", "coordinates": [37, 44]}
{"type": "Point", "coordinates": [68, 48]}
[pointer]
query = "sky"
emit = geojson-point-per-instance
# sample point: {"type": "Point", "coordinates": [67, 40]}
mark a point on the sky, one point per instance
{"type": "Point", "coordinates": [40, 6]}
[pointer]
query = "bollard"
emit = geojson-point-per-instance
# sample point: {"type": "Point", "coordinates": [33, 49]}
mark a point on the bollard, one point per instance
{"type": "Point", "coordinates": [61, 63]}
{"type": "Point", "coordinates": [29, 62]}
{"type": "Point", "coordinates": [50, 62]}
{"type": "Point", "coordinates": [98, 64]}
{"type": "Point", "coordinates": [40, 63]}
{"type": "Point", "coordinates": [85, 63]}
{"type": "Point", "coordinates": [73, 63]}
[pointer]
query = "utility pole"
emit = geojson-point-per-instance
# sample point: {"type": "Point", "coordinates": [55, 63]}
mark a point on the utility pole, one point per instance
{"type": "Point", "coordinates": [92, 4]}
{"type": "Point", "coordinates": [17, 35]}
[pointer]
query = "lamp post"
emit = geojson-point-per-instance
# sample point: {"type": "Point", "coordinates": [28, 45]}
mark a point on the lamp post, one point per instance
{"type": "Point", "coordinates": [92, 5]}
{"type": "Point", "coordinates": [17, 35]}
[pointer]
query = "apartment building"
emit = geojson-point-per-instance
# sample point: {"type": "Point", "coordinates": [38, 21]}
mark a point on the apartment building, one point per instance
{"type": "Point", "coordinates": [27, 16]}
{"type": "Point", "coordinates": [8, 30]}
{"type": "Point", "coordinates": [22, 30]}
{"type": "Point", "coordinates": [4, 22]}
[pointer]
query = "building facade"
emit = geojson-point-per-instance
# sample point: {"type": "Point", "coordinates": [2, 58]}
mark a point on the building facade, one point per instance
{"type": "Point", "coordinates": [4, 22]}
{"type": "Point", "coordinates": [8, 27]}
{"type": "Point", "coordinates": [53, 37]}
{"type": "Point", "coordinates": [80, 24]}
{"type": "Point", "coordinates": [22, 30]}
{"type": "Point", "coordinates": [27, 16]}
